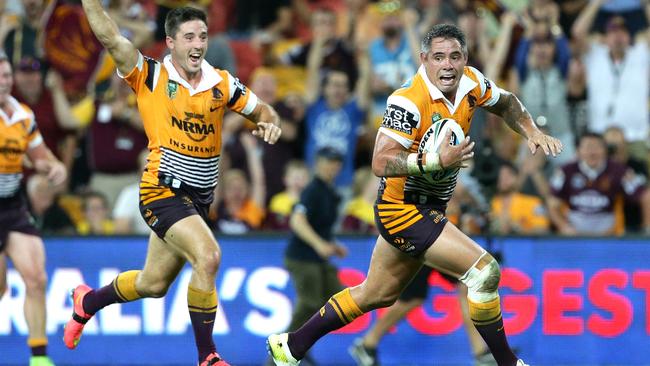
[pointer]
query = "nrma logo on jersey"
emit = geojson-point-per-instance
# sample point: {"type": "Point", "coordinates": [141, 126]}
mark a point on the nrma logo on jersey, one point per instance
{"type": "Point", "coordinates": [194, 126]}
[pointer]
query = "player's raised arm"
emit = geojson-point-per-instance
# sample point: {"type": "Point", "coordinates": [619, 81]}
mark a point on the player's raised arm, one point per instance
{"type": "Point", "coordinates": [121, 49]}
{"type": "Point", "coordinates": [513, 112]}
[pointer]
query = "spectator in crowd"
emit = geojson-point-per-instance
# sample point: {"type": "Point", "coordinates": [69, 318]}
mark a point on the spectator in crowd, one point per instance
{"type": "Point", "coordinates": [240, 206]}
{"type": "Point", "coordinates": [542, 66]}
{"type": "Point", "coordinates": [50, 218]}
{"type": "Point", "coordinates": [513, 212]}
{"type": "Point", "coordinates": [296, 177]}
{"type": "Point", "coordinates": [630, 10]}
{"type": "Point", "coordinates": [617, 73]}
{"type": "Point", "coordinates": [271, 16]}
{"type": "Point", "coordinates": [276, 156]}
{"type": "Point", "coordinates": [617, 148]}
{"type": "Point", "coordinates": [114, 140]}
{"type": "Point", "coordinates": [393, 56]}
{"type": "Point", "coordinates": [77, 60]}
{"type": "Point", "coordinates": [50, 105]}
{"type": "Point", "coordinates": [335, 116]}
{"type": "Point", "coordinates": [312, 242]}
{"type": "Point", "coordinates": [23, 39]}
{"type": "Point", "coordinates": [96, 219]}
{"type": "Point", "coordinates": [133, 21]}
{"type": "Point", "coordinates": [586, 193]}
{"type": "Point", "coordinates": [8, 21]}
{"type": "Point", "coordinates": [126, 213]}
{"type": "Point", "coordinates": [335, 52]}
{"type": "Point", "coordinates": [359, 214]}
{"type": "Point", "coordinates": [569, 12]}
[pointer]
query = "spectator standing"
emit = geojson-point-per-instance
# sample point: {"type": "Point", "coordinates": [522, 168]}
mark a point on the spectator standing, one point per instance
{"type": "Point", "coordinates": [617, 73]}
{"type": "Point", "coordinates": [312, 242]}
{"type": "Point", "coordinates": [336, 52]}
{"type": "Point", "coordinates": [393, 56]}
{"type": "Point", "coordinates": [336, 117]}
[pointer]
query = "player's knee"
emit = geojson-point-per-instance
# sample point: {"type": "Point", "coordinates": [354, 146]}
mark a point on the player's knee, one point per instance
{"type": "Point", "coordinates": [209, 262]}
{"type": "Point", "coordinates": [482, 284]}
{"type": "Point", "coordinates": [3, 288]}
{"type": "Point", "coordinates": [35, 280]}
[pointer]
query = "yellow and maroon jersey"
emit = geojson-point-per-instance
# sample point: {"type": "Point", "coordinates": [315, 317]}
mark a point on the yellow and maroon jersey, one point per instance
{"type": "Point", "coordinates": [18, 134]}
{"type": "Point", "coordinates": [184, 124]}
{"type": "Point", "coordinates": [412, 109]}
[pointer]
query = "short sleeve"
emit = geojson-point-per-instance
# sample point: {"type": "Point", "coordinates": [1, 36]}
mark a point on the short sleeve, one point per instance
{"type": "Point", "coordinates": [34, 137]}
{"type": "Point", "coordinates": [240, 99]}
{"type": "Point", "coordinates": [145, 74]}
{"type": "Point", "coordinates": [401, 120]}
{"type": "Point", "coordinates": [489, 91]}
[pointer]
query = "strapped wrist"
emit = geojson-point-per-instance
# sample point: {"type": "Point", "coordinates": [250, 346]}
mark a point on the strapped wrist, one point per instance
{"type": "Point", "coordinates": [420, 163]}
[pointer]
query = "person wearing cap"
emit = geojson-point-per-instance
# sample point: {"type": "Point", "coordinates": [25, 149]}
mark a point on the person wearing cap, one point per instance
{"type": "Point", "coordinates": [617, 68]}
{"type": "Point", "coordinates": [312, 243]}
{"type": "Point", "coordinates": [20, 240]}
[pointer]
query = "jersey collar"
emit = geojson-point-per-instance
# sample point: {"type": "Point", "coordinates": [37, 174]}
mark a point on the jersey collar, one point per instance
{"type": "Point", "coordinates": [464, 87]}
{"type": "Point", "coordinates": [209, 77]}
{"type": "Point", "coordinates": [19, 112]}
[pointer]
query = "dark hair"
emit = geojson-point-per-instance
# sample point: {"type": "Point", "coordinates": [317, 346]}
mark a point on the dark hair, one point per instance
{"type": "Point", "coordinates": [446, 31]}
{"type": "Point", "coordinates": [593, 135]}
{"type": "Point", "coordinates": [178, 16]}
{"type": "Point", "coordinates": [509, 165]}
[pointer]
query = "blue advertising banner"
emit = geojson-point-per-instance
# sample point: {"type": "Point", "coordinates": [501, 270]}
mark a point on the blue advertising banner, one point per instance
{"type": "Point", "coordinates": [565, 301]}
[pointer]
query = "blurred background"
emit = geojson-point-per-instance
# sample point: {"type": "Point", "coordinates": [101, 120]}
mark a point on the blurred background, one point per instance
{"type": "Point", "coordinates": [576, 282]}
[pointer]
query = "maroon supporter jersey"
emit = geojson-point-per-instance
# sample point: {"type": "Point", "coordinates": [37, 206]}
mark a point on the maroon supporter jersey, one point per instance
{"type": "Point", "coordinates": [592, 196]}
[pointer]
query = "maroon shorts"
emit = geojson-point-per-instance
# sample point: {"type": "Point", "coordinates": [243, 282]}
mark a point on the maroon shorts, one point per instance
{"type": "Point", "coordinates": [14, 216]}
{"type": "Point", "coordinates": [170, 206]}
{"type": "Point", "coordinates": [408, 227]}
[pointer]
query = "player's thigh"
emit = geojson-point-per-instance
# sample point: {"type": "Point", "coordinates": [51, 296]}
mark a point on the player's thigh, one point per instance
{"type": "Point", "coordinates": [27, 253]}
{"type": "Point", "coordinates": [193, 240]}
{"type": "Point", "coordinates": [162, 264]}
{"type": "Point", "coordinates": [453, 252]}
{"type": "Point", "coordinates": [390, 271]}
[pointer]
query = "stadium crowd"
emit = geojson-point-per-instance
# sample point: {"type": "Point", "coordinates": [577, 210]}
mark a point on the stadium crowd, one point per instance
{"type": "Point", "coordinates": [581, 67]}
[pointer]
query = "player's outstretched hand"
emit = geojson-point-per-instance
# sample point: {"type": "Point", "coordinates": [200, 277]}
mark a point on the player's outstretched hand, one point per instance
{"type": "Point", "coordinates": [55, 170]}
{"type": "Point", "coordinates": [549, 144]}
{"type": "Point", "coordinates": [452, 156]}
{"type": "Point", "coordinates": [267, 131]}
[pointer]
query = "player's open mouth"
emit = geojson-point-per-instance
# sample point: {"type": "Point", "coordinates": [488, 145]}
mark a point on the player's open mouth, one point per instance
{"type": "Point", "coordinates": [447, 79]}
{"type": "Point", "coordinates": [195, 58]}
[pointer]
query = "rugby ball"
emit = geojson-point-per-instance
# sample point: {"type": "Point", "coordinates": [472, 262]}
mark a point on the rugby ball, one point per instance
{"type": "Point", "coordinates": [432, 140]}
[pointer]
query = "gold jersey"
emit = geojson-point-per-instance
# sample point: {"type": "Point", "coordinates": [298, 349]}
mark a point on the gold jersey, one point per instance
{"type": "Point", "coordinates": [183, 123]}
{"type": "Point", "coordinates": [18, 134]}
{"type": "Point", "coordinates": [412, 109]}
